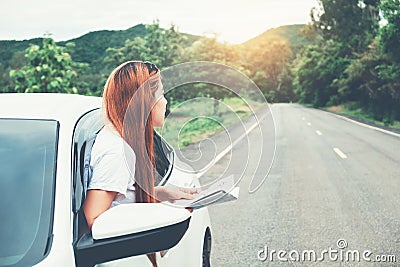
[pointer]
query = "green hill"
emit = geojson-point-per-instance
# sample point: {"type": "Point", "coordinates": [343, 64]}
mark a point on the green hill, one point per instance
{"type": "Point", "coordinates": [91, 47]}
{"type": "Point", "coordinates": [289, 32]}
{"type": "Point", "coordinates": [8, 48]}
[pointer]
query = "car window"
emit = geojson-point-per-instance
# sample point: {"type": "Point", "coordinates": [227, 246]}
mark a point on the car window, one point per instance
{"type": "Point", "coordinates": [87, 126]}
{"type": "Point", "coordinates": [28, 152]}
{"type": "Point", "coordinates": [164, 157]}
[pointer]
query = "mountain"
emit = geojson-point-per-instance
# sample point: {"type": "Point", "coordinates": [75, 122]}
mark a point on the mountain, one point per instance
{"type": "Point", "coordinates": [292, 33]}
{"type": "Point", "coordinates": [8, 48]}
{"type": "Point", "coordinates": [91, 47]}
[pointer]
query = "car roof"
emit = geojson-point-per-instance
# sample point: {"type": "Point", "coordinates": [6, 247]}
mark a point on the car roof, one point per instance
{"type": "Point", "coordinates": [60, 107]}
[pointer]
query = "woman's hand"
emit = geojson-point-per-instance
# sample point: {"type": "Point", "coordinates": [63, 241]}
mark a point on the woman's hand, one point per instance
{"type": "Point", "coordinates": [172, 193]}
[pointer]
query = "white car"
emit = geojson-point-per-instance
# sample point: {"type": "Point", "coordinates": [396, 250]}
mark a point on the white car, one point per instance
{"type": "Point", "coordinates": [42, 222]}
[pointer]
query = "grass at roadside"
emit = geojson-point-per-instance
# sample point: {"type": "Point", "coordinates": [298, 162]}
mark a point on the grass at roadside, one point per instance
{"type": "Point", "coordinates": [349, 110]}
{"type": "Point", "coordinates": [195, 120]}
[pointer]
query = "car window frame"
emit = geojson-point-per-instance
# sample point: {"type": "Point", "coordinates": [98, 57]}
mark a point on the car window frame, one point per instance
{"type": "Point", "coordinates": [79, 137]}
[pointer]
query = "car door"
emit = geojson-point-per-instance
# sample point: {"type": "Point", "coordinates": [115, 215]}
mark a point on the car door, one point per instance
{"type": "Point", "coordinates": [142, 228]}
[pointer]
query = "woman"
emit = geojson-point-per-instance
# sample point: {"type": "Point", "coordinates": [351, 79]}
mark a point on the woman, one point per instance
{"type": "Point", "coordinates": [122, 156]}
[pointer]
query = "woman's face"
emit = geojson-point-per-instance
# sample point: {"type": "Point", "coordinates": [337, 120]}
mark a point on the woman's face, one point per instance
{"type": "Point", "coordinates": [158, 111]}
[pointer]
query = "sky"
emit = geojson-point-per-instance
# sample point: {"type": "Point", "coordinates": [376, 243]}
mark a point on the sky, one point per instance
{"type": "Point", "coordinates": [233, 21]}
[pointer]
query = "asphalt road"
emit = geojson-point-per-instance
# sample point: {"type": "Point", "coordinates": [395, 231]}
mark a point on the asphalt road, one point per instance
{"type": "Point", "coordinates": [332, 180]}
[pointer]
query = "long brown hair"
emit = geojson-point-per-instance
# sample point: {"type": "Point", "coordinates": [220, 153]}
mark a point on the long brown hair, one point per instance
{"type": "Point", "coordinates": [128, 96]}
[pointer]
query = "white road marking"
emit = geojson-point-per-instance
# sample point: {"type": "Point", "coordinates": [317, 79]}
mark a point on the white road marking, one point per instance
{"type": "Point", "coordinates": [368, 126]}
{"type": "Point", "coordinates": [309, 123]}
{"type": "Point", "coordinates": [318, 132]}
{"type": "Point", "coordinates": [340, 153]}
{"type": "Point", "coordinates": [229, 147]}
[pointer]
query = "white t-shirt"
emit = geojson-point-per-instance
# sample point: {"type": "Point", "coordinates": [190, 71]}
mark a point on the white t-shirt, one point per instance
{"type": "Point", "coordinates": [113, 163]}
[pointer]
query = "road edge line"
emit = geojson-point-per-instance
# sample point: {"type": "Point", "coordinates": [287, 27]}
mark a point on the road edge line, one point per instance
{"type": "Point", "coordinates": [366, 125]}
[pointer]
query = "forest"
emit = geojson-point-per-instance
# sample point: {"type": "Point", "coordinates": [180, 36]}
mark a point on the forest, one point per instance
{"type": "Point", "coordinates": [347, 56]}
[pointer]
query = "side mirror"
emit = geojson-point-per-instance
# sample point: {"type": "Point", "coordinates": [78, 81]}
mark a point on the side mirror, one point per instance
{"type": "Point", "coordinates": [131, 229]}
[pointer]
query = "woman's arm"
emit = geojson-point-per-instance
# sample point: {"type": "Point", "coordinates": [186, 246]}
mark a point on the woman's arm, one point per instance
{"type": "Point", "coordinates": [172, 193]}
{"type": "Point", "coordinates": [97, 202]}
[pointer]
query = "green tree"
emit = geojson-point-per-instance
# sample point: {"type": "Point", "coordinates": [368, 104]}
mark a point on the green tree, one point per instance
{"type": "Point", "coordinates": [5, 81]}
{"type": "Point", "coordinates": [135, 49]}
{"type": "Point", "coordinates": [351, 22]}
{"type": "Point", "coordinates": [389, 35]}
{"type": "Point", "coordinates": [161, 46]}
{"type": "Point", "coordinates": [209, 49]}
{"type": "Point", "coordinates": [286, 92]}
{"type": "Point", "coordinates": [267, 63]}
{"type": "Point", "coordinates": [373, 82]}
{"type": "Point", "coordinates": [164, 47]}
{"type": "Point", "coordinates": [317, 69]}
{"type": "Point", "coordinates": [50, 69]}
{"type": "Point", "coordinates": [18, 60]}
